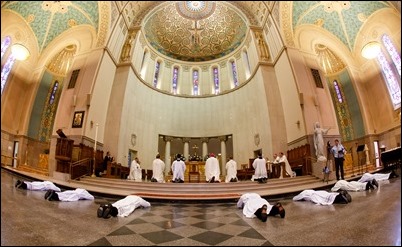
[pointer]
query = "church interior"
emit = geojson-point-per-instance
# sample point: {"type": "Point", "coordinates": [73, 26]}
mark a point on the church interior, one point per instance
{"type": "Point", "coordinates": [196, 78]}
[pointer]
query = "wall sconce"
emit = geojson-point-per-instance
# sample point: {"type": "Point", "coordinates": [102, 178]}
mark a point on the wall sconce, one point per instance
{"type": "Point", "coordinates": [371, 50]}
{"type": "Point", "coordinates": [20, 52]}
{"type": "Point", "coordinates": [92, 124]}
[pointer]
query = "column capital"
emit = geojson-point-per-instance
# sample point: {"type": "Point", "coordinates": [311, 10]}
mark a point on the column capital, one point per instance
{"type": "Point", "coordinates": [223, 138]}
{"type": "Point", "coordinates": [167, 138]}
{"type": "Point", "coordinates": [206, 140]}
{"type": "Point", "coordinates": [186, 139]}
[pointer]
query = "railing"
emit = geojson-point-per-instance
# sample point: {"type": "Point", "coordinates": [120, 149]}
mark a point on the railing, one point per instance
{"type": "Point", "coordinates": [5, 158]}
{"type": "Point", "coordinates": [80, 168]}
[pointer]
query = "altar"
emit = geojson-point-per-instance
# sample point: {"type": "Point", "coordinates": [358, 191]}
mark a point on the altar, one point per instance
{"type": "Point", "coordinates": [195, 171]}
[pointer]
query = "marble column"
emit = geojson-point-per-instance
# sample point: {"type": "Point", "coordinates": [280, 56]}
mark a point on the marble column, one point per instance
{"type": "Point", "coordinates": [223, 140]}
{"type": "Point", "coordinates": [204, 147]}
{"type": "Point", "coordinates": [186, 151]}
{"type": "Point", "coordinates": [168, 162]}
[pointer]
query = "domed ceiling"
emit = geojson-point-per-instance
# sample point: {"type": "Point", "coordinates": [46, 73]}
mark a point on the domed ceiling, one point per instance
{"type": "Point", "coordinates": [195, 31]}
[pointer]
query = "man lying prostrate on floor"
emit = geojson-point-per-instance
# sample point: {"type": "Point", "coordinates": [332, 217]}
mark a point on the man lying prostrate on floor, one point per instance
{"type": "Point", "coordinates": [122, 208]}
{"type": "Point", "coordinates": [377, 176]}
{"type": "Point", "coordinates": [36, 185]}
{"type": "Point", "coordinates": [322, 197]}
{"type": "Point", "coordinates": [355, 185]}
{"type": "Point", "coordinates": [254, 205]}
{"type": "Point", "coordinates": [68, 195]}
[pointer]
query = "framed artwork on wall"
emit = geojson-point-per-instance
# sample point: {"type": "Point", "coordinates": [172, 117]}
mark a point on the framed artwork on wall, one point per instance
{"type": "Point", "coordinates": [78, 119]}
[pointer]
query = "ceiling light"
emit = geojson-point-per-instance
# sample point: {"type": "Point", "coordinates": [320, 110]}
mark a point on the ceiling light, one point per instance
{"type": "Point", "coordinates": [20, 52]}
{"type": "Point", "coordinates": [371, 50]}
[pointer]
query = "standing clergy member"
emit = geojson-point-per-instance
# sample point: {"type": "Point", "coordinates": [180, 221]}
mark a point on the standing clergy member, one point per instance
{"type": "Point", "coordinates": [158, 168]}
{"type": "Point", "coordinates": [178, 169]}
{"type": "Point", "coordinates": [288, 168]}
{"type": "Point", "coordinates": [231, 170]}
{"type": "Point", "coordinates": [254, 205]}
{"type": "Point", "coordinates": [212, 170]}
{"type": "Point", "coordinates": [135, 170]}
{"type": "Point", "coordinates": [123, 207]}
{"type": "Point", "coordinates": [36, 185]}
{"type": "Point", "coordinates": [339, 154]}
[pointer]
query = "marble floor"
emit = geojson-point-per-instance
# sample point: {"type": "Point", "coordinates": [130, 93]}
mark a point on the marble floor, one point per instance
{"type": "Point", "coordinates": [373, 218]}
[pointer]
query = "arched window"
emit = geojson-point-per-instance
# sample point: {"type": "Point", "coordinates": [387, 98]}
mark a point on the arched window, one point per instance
{"type": "Point", "coordinates": [4, 45]}
{"type": "Point", "coordinates": [393, 86]}
{"type": "Point", "coordinates": [247, 63]}
{"type": "Point", "coordinates": [338, 92]}
{"type": "Point", "coordinates": [216, 79]}
{"type": "Point", "coordinates": [390, 63]}
{"type": "Point", "coordinates": [234, 73]}
{"type": "Point", "coordinates": [143, 64]}
{"type": "Point", "coordinates": [393, 53]}
{"type": "Point", "coordinates": [195, 83]}
{"type": "Point", "coordinates": [53, 94]}
{"type": "Point", "coordinates": [5, 71]}
{"type": "Point", "coordinates": [175, 79]}
{"type": "Point", "coordinates": [156, 76]}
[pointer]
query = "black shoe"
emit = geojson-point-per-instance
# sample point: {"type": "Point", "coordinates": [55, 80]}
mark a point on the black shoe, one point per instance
{"type": "Point", "coordinates": [393, 174]}
{"type": "Point", "coordinates": [48, 194]}
{"type": "Point", "coordinates": [375, 183]}
{"type": "Point", "coordinates": [212, 179]}
{"type": "Point", "coordinates": [371, 185]}
{"type": "Point", "coordinates": [234, 179]}
{"type": "Point", "coordinates": [181, 181]}
{"type": "Point", "coordinates": [18, 184]}
{"type": "Point", "coordinates": [100, 211]}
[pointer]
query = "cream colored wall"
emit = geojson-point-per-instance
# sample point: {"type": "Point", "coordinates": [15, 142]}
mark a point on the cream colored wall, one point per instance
{"type": "Point", "coordinates": [290, 98]}
{"type": "Point", "coordinates": [148, 113]}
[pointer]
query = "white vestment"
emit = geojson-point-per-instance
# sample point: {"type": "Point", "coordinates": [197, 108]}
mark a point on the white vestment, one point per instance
{"type": "Point", "coordinates": [377, 176]}
{"type": "Point", "coordinates": [74, 195]}
{"type": "Point", "coordinates": [319, 197]}
{"type": "Point", "coordinates": [288, 168]}
{"type": "Point", "coordinates": [158, 168]}
{"type": "Point", "coordinates": [250, 202]}
{"type": "Point", "coordinates": [212, 169]}
{"type": "Point", "coordinates": [178, 169]}
{"type": "Point", "coordinates": [231, 170]}
{"type": "Point", "coordinates": [135, 171]}
{"type": "Point", "coordinates": [349, 186]}
{"type": "Point", "coordinates": [45, 185]}
{"type": "Point", "coordinates": [260, 168]}
{"type": "Point", "coordinates": [128, 204]}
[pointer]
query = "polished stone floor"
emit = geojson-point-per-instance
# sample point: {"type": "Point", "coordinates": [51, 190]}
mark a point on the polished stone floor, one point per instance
{"type": "Point", "coordinates": [373, 218]}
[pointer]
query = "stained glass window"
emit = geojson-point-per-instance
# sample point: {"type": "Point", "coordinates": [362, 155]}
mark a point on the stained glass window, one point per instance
{"type": "Point", "coordinates": [216, 80]}
{"type": "Point", "coordinates": [338, 92]}
{"type": "Point", "coordinates": [4, 45]}
{"type": "Point", "coordinates": [393, 53]}
{"type": "Point", "coordinates": [391, 81]}
{"type": "Point", "coordinates": [157, 66]}
{"type": "Point", "coordinates": [234, 72]}
{"type": "Point", "coordinates": [195, 82]}
{"type": "Point", "coordinates": [53, 94]}
{"type": "Point", "coordinates": [247, 62]}
{"type": "Point", "coordinates": [175, 79]}
{"type": "Point", "coordinates": [6, 71]}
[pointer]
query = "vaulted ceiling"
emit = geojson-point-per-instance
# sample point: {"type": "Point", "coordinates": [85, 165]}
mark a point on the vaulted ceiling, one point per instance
{"type": "Point", "coordinates": [48, 19]}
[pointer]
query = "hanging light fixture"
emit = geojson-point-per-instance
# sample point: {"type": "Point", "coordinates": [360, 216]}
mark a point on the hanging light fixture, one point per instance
{"type": "Point", "coordinates": [371, 50]}
{"type": "Point", "coordinates": [20, 52]}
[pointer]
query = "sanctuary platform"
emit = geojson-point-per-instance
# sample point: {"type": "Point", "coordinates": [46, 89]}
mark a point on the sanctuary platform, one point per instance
{"type": "Point", "coordinates": [274, 188]}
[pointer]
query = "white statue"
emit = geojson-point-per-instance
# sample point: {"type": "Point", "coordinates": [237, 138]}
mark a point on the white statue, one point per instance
{"type": "Point", "coordinates": [319, 141]}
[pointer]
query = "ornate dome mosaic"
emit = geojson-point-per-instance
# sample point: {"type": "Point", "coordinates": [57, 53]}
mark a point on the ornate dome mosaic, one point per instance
{"type": "Point", "coordinates": [195, 31]}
